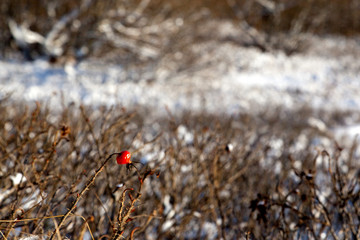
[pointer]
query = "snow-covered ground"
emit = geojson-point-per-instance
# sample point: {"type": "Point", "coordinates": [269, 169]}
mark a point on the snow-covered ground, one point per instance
{"type": "Point", "coordinates": [325, 76]}
{"type": "Point", "coordinates": [238, 79]}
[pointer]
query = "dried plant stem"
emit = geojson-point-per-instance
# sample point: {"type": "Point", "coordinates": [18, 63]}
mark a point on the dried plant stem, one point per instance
{"type": "Point", "coordinates": [216, 189]}
{"type": "Point", "coordinates": [125, 211]}
{"type": "Point", "coordinates": [91, 129]}
{"type": "Point", "coordinates": [122, 220]}
{"type": "Point", "coordinates": [83, 191]}
{"type": "Point", "coordinates": [3, 235]}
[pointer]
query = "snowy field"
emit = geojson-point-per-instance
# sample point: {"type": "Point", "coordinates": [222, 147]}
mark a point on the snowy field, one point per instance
{"type": "Point", "coordinates": [237, 79]}
{"type": "Point", "coordinates": [234, 80]}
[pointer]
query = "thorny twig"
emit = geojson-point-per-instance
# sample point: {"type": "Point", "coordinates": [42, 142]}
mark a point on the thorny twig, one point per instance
{"type": "Point", "coordinates": [83, 191]}
{"type": "Point", "coordinates": [125, 211]}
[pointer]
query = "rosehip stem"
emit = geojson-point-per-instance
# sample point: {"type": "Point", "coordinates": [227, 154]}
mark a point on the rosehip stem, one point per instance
{"type": "Point", "coordinates": [138, 162]}
{"type": "Point", "coordinates": [87, 186]}
{"type": "Point", "coordinates": [132, 165]}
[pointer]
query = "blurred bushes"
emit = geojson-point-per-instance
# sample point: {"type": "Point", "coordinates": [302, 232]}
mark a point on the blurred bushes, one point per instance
{"type": "Point", "coordinates": [148, 30]}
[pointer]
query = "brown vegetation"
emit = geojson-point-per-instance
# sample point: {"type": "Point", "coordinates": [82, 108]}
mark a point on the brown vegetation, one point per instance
{"type": "Point", "coordinates": [270, 176]}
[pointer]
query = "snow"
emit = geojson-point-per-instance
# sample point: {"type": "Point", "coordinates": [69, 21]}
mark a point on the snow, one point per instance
{"type": "Point", "coordinates": [18, 179]}
{"type": "Point", "coordinates": [243, 79]}
{"type": "Point", "coordinates": [252, 81]}
{"type": "Point", "coordinates": [30, 238]}
{"type": "Point", "coordinates": [167, 205]}
{"type": "Point", "coordinates": [184, 134]}
{"type": "Point", "coordinates": [209, 230]}
{"type": "Point", "coordinates": [167, 225]}
{"type": "Point", "coordinates": [5, 193]}
{"type": "Point", "coordinates": [317, 123]}
{"type": "Point", "coordinates": [353, 131]}
{"type": "Point", "coordinates": [29, 201]}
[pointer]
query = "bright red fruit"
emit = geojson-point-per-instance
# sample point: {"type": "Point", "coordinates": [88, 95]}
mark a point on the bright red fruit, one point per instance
{"type": "Point", "coordinates": [124, 157]}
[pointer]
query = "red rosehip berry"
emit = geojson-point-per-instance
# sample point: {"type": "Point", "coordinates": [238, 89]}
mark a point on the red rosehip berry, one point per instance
{"type": "Point", "coordinates": [124, 157]}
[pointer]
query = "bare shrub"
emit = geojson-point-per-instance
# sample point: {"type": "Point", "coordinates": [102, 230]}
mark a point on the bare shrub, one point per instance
{"type": "Point", "coordinates": [268, 176]}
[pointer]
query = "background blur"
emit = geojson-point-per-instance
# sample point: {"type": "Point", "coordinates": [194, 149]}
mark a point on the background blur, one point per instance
{"type": "Point", "coordinates": [154, 30]}
{"type": "Point", "coordinates": [233, 55]}
{"type": "Point", "coordinates": [249, 109]}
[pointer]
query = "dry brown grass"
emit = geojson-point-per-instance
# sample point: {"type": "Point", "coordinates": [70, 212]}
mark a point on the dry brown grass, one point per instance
{"type": "Point", "coordinates": [283, 179]}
